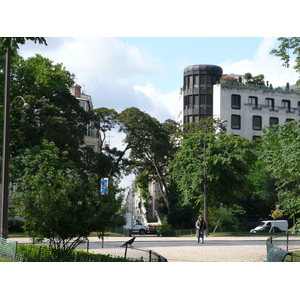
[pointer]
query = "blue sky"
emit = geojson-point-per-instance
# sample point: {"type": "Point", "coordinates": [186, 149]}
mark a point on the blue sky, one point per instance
{"type": "Point", "coordinates": [146, 72]}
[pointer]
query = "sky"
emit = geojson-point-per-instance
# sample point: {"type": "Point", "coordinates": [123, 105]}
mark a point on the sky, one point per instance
{"type": "Point", "coordinates": [147, 72]}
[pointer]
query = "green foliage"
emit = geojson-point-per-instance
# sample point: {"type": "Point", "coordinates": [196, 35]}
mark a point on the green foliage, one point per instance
{"type": "Point", "coordinates": [56, 202]}
{"type": "Point", "coordinates": [229, 218]}
{"type": "Point", "coordinates": [152, 147]}
{"type": "Point", "coordinates": [41, 253]}
{"type": "Point", "coordinates": [15, 226]}
{"type": "Point", "coordinates": [280, 151]}
{"type": "Point", "coordinates": [14, 42]}
{"type": "Point", "coordinates": [283, 51]}
{"type": "Point", "coordinates": [182, 216]}
{"type": "Point", "coordinates": [226, 160]}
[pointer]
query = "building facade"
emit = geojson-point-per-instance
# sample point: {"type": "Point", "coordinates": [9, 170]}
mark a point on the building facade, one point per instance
{"type": "Point", "coordinates": [247, 108]}
{"type": "Point", "coordinates": [198, 82]}
{"type": "Point", "coordinates": [92, 136]}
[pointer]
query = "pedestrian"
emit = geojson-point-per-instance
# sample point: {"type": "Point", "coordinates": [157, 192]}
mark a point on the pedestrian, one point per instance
{"type": "Point", "coordinates": [200, 226]}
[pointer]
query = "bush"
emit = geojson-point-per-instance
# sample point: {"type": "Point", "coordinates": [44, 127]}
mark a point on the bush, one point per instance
{"type": "Point", "coordinates": [15, 225]}
{"type": "Point", "coordinates": [41, 253]}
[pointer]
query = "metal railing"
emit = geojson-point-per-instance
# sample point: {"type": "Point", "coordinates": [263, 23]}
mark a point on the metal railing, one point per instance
{"type": "Point", "coordinates": [92, 245]}
{"type": "Point", "coordinates": [286, 242]}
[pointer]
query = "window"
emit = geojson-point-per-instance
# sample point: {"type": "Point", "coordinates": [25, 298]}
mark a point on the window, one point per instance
{"type": "Point", "coordinates": [235, 122]}
{"type": "Point", "coordinates": [186, 102]}
{"type": "Point", "coordinates": [289, 120]}
{"type": "Point", "coordinates": [287, 105]}
{"type": "Point", "coordinates": [202, 101]}
{"type": "Point", "coordinates": [208, 81]}
{"type": "Point", "coordinates": [202, 80]}
{"type": "Point", "coordinates": [236, 101]}
{"type": "Point", "coordinates": [256, 122]}
{"type": "Point", "coordinates": [190, 105]}
{"type": "Point", "coordinates": [209, 101]}
{"type": "Point", "coordinates": [256, 138]}
{"type": "Point", "coordinates": [299, 108]}
{"type": "Point", "coordinates": [196, 101]}
{"type": "Point", "coordinates": [253, 101]}
{"type": "Point", "coordinates": [273, 121]}
{"type": "Point", "coordinates": [190, 81]}
{"type": "Point", "coordinates": [270, 103]}
{"type": "Point", "coordinates": [196, 81]}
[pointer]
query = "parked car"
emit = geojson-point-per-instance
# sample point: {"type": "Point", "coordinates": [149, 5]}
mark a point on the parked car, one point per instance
{"type": "Point", "coordinates": [270, 226]}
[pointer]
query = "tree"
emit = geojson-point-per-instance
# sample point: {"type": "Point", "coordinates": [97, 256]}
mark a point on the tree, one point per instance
{"type": "Point", "coordinates": [218, 162]}
{"type": "Point", "coordinates": [14, 42]}
{"type": "Point", "coordinates": [280, 151]}
{"type": "Point", "coordinates": [55, 201]}
{"type": "Point", "coordinates": [248, 77]}
{"type": "Point", "coordinates": [55, 114]}
{"type": "Point", "coordinates": [58, 202]}
{"type": "Point", "coordinates": [151, 147]}
{"type": "Point", "coordinates": [283, 51]}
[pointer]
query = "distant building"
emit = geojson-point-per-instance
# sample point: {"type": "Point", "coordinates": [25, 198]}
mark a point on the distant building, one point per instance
{"type": "Point", "coordinates": [92, 136]}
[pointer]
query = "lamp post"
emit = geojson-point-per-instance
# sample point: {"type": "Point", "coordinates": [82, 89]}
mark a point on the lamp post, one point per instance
{"type": "Point", "coordinates": [221, 124]}
{"type": "Point", "coordinates": [5, 152]}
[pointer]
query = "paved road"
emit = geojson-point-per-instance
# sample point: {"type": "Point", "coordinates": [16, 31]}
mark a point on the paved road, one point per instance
{"type": "Point", "coordinates": [215, 249]}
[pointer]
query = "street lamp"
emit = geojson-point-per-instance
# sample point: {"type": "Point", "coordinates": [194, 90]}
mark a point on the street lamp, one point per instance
{"type": "Point", "coordinates": [5, 159]}
{"type": "Point", "coordinates": [221, 124]}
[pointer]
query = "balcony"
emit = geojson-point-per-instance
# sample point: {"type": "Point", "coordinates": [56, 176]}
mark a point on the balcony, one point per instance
{"type": "Point", "coordinates": [288, 110]}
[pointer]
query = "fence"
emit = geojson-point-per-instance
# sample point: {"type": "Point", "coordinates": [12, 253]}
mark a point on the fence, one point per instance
{"type": "Point", "coordinates": [92, 245]}
{"type": "Point", "coordinates": [286, 242]}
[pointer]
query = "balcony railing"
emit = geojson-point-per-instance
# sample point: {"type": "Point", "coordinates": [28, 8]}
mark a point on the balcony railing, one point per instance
{"type": "Point", "coordinates": [290, 110]}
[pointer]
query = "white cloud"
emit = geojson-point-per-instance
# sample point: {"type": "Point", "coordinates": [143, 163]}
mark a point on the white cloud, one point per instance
{"type": "Point", "coordinates": [161, 106]}
{"type": "Point", "coordinates": [105, 67]}
{"type": "Point", "coordinates": [263, 63]}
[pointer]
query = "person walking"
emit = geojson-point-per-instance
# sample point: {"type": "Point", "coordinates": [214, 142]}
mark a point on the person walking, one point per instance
{"type": "Point", "coordinates": [200, 226]}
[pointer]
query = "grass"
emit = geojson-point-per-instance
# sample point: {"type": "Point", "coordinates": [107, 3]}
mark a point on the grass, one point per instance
{"type": "Point", "coordinates": [5, 260]}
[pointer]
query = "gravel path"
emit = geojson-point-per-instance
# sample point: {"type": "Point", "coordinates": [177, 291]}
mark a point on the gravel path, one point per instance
{"type": "Point", "coordinates": [215, 249]}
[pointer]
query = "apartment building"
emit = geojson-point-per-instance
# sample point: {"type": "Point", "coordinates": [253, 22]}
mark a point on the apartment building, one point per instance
{"type": "Point", "coordinates": [92, 136]}
{"type": "Point", "coordinates": [246, 107]}
{"type": "Point", "coordinates": [249, 108]}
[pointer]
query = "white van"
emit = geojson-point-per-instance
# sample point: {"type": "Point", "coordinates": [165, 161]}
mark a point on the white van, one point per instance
{"type": "Point", "coordinates": [269, 225]}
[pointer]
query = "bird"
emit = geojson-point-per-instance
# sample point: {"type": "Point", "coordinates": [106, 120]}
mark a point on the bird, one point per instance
{"type": "Point", "coordinates": [129, 242]}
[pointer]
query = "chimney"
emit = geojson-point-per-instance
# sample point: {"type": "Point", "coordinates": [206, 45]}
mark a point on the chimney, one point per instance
{"type": "Point", "coordinates": [77, 90]}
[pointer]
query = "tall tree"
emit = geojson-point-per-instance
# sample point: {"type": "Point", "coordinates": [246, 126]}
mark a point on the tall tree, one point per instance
{"type": "Point", "coordinates": [280, 151]}
{"type": "Point", "coordinates": [283, 51]}
{"type": "Point", "coordinates": [55, 114]}
{"type": "Point", "coordinates": [151, 146]}
{"type": "Point", "coordinates": [217, 163]}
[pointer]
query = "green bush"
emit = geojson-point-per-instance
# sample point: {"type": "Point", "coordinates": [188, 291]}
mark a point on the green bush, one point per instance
{"type": "Point", "coordinates": [15, 226]}
{"type": "Point", "coordinates": [41, 253]}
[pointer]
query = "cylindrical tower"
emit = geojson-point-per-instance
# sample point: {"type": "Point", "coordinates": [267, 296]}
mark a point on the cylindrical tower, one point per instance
{"type": "Point", "coordinates": [198, 84]}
